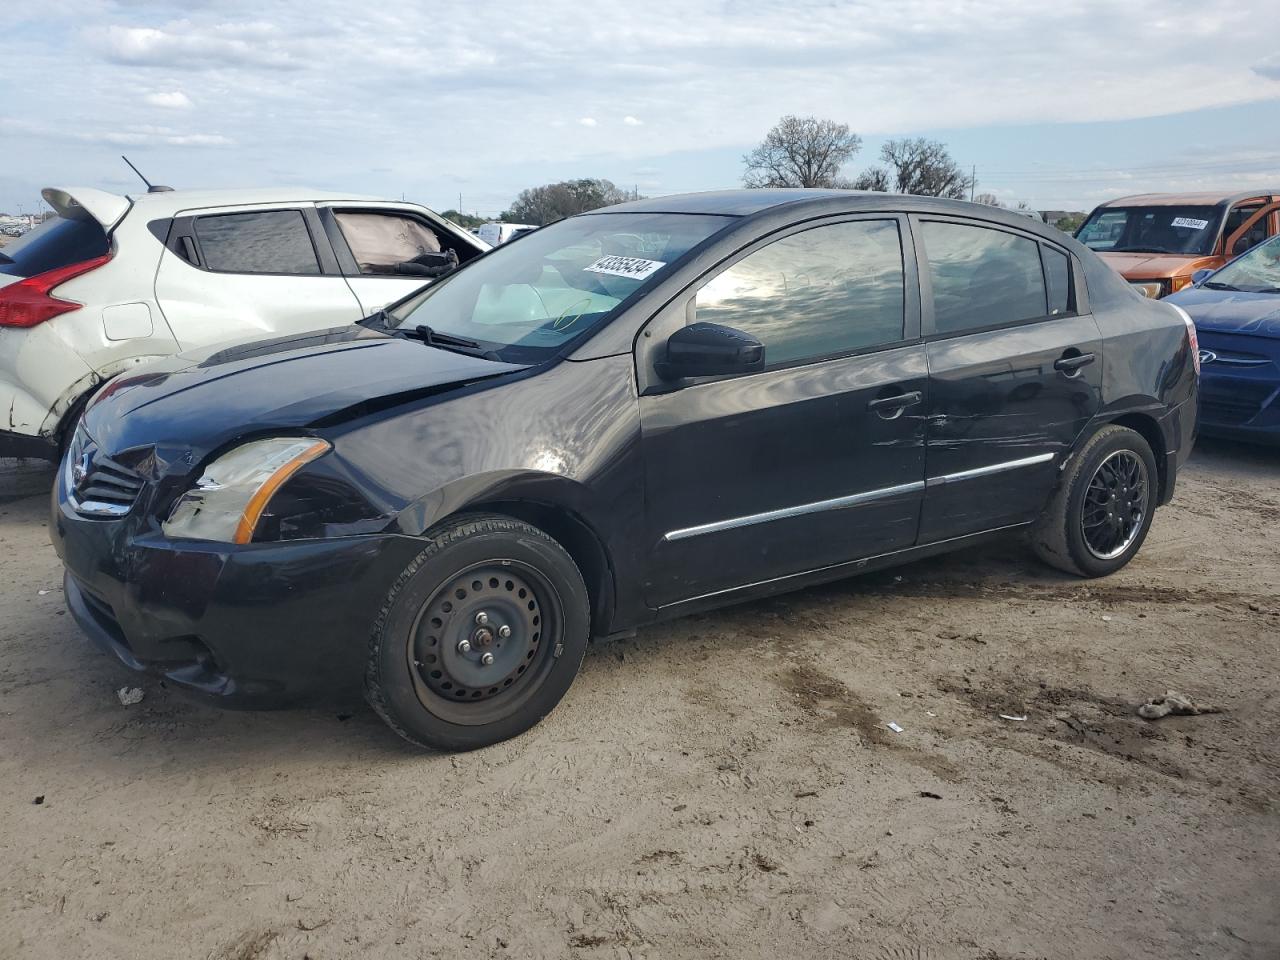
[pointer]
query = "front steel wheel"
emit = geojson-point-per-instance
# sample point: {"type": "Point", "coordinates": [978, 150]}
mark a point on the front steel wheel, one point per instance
{"type": "Point", "coordinates": [480, 637]}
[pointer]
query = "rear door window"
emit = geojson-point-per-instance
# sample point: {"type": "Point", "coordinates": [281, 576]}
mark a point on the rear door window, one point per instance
{"type": "Point", "coordinates": [982, 277]}
{"type": "Point", "coordinates": [56, 243]}
{"type": "Point", "coordinates": [821, 293]}
{"type": "Point", "coordinates": [267, 241]}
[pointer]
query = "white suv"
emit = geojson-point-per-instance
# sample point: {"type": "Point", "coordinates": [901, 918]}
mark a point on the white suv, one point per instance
{"type": "Point", "coordinates": [112, 282]}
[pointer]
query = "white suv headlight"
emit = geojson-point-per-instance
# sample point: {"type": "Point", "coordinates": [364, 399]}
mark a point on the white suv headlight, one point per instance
{"type": "Point", "coordinates": [229, 498]}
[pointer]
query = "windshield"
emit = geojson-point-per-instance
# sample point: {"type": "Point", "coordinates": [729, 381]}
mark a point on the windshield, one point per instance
{"type": "Point", "coordinates": [526, 301]}
{"type": "Point", "coordinates": [1172, 229]}
{"type": "Point", "coordinates": [1258, 271]}
{"type": "Point", "coordinates": [55, 243]}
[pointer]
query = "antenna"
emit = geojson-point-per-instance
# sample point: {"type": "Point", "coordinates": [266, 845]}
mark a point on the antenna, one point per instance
{"type": "Point", "coordinates": [151, 188]}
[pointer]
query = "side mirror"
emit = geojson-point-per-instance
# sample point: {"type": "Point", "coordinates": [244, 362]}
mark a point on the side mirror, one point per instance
{"type": "Point", "coordinates": [710, 350]}
{"type": "Point", "coordinates": [1201, 275]}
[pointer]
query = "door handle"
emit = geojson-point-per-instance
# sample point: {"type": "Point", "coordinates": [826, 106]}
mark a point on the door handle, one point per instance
{"type": "Point", "coordinates": [1074, 363]}
{"type": "Point", "coordinates": [890, 407]}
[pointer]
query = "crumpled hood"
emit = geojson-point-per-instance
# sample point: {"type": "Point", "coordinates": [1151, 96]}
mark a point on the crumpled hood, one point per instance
{"type": "Point", "coordinates": [1155, 266]}
{"type": "Point", "coordinates": [193, 403]}
{"type": "Point", "coordinates": [1231, 311]}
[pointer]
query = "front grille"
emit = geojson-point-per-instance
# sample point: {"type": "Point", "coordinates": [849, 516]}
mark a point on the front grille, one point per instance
{"type": "Point", "coordinates": [98, 486]}
{"type": "Point", "coordinates": [1234, 405]}
{"type": "Point", "coordinates": [109, 482]}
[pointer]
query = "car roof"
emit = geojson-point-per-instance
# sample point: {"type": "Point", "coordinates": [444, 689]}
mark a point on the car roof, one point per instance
{"type": "Point", "coordinates": [168, 202]}
{"type": "Point", "coordinates": [733, 203]}
{"type": "Point", "coordinates": [1204, 198]}
{"type": "Point", "coordinates": [749, 203]}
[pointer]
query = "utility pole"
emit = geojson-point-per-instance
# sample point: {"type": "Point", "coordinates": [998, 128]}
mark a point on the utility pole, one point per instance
{"type": "Point", "coordinates": [973, 181]}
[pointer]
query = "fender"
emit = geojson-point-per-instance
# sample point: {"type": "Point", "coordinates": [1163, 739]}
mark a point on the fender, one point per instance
{"type": "Point", "coordinates": [73, 399]}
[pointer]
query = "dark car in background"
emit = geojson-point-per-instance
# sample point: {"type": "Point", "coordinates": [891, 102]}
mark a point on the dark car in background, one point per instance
{"type": "Point", "coordinates": [653, 409]}
{"type": "Point", "coordinates": [1236, 311]}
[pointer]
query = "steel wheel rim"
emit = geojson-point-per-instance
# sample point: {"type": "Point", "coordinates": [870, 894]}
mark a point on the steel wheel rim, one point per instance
{"type": "Point", "coordinates": [1115, 505]}
{"type": "Point", "coordinates": [452, 680]}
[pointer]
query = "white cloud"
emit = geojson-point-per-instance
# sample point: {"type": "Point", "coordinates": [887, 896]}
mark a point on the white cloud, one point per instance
{"type": "Point", "coordinates": [587, 122]}
{"type": "Point", "coordinates": [171, 99]}
{"type": "Point", "coordinates": [632, 122]}
{"type": "Point", "coordinates": [182, 44]}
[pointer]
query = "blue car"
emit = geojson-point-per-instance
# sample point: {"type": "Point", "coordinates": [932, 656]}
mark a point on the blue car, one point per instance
{"type": "Point", "coordinates": [1236, 311]}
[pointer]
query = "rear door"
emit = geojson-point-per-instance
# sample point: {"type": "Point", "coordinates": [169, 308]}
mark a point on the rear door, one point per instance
{"type": "Point", "coordinates": [816, 460]}
{"type": "Point", "coordinates": [1015, 372]}
{"type": "Point", "coordinates": [239, 274]}
{"type": "Point", "coordinates": [381, 249]}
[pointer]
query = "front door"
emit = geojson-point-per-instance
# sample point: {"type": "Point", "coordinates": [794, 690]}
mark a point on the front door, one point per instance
{"type": "Point", "coordinates": [1015, 374]}
{"type": "Point", "coordinates": [816, 460]}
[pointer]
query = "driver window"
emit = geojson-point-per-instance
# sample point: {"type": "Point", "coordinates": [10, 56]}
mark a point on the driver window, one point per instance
{"type": "Point", "coordinates": [1256, 233]}
{"type": "Point", "coordinates": [827, 291]}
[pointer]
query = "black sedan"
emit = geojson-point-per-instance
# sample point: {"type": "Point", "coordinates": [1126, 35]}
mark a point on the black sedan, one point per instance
{"type": "Point", "coordinates": [652, 409]}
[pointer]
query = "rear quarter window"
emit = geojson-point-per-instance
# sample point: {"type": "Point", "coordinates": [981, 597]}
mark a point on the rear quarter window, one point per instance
{"type": "Point", "coordinates": [269, 241]}
{"type": "Point", "coordinates": [56, 243]}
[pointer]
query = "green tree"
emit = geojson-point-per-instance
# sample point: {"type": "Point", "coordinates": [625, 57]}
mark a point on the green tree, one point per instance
{"type": "Point", "coordinates": [555, 201]}
{"type": "Point", "coordinates": [464, 220]}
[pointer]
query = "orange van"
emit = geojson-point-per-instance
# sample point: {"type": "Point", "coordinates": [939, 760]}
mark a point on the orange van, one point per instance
{"type": "Point", "coordinates": [1156, 241]}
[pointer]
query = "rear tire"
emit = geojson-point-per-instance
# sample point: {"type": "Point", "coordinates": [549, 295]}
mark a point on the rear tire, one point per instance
{"type": "Point", "coordinates": [1101, 510]}
{"type": "Point", "coordinates": [480, 637]}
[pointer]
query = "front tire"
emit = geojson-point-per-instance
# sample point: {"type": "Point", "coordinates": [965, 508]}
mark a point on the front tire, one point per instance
{"type": "Point", "coordinates": [480, 636]}
{"type": "Point", "coordinates": [1101, 511]}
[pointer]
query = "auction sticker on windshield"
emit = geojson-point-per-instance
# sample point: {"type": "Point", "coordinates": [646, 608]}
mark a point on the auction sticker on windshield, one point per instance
{"type": "Point", "coordinates": [1190, 223]}
{"type": "Point", "coordinates": [633, 267]}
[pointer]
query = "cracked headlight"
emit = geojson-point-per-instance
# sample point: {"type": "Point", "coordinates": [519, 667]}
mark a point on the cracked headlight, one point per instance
{"type": "Point", "coordinates": [229, 498]}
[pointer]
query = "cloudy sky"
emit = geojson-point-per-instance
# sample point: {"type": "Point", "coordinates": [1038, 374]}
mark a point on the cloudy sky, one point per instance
{"type": "Point", "coordinates": [1059, 104]}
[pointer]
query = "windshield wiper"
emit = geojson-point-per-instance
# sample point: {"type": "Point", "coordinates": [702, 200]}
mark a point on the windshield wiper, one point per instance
{"type": "Point", "coordinates": [1136, 250]}
{"type": "Point", "coordinates": [1218, 285]}
{"type": "Point", "coordinates": [434, 338]}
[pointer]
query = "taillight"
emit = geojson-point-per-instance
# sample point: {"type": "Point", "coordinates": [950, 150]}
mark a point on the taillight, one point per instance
{"type": "Point", "coordinates": [29, 302]}
{"type": "Point", "coordinates": [1192, 340]}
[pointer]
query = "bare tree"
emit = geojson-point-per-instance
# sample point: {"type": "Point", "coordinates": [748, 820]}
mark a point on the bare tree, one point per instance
{"type": "Point", "coordinates": [872, 178]}
{"type": "Point", "coordinates": [924, 167]}
{"type": "Point", "coordinates": [555, 201]}
{"type": "Point", "coordinates": [801, 152]}
{"type": "Point", "coordinates": [988, 199]}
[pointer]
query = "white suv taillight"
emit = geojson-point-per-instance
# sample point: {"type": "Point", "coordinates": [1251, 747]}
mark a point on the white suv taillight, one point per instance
{"type": "Point", "coordinates": [29, 302]}
{"type": "Point", "coordinates": [1191, 336]}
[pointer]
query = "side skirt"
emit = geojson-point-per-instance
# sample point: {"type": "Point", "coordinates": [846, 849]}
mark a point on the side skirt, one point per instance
{"type": "Point", "coordinates": [837, 571]}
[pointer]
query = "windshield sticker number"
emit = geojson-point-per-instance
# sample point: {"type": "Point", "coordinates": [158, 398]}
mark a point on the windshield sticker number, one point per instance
{"type": "Point", "coordinates": [1189, 223]}
{"type": "Point", "coordinates": [633, 267]}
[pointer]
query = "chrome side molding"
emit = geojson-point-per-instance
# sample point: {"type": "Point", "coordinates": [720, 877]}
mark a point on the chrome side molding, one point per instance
{"type": "Point", "coordinates": [989, 469]}
{"type": "Point", "coordinates": [852, 500]}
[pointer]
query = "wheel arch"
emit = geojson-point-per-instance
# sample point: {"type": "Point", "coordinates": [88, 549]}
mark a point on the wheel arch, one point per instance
{"type": "Point", "coordinates": [578, 537]}
{"type": "Point", "coordinates": [1148, 427]}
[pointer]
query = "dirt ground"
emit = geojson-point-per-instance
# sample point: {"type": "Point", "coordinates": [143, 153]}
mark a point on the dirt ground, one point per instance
{"type": "Point", "coordinates": [722, 786]}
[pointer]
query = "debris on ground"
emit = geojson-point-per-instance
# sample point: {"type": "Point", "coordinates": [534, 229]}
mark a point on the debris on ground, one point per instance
{"type": "Point", "coordinates": [129, 696]}
{"type": "Point", "coordinates": [39, 801]}
{"type": "Point", "coordinates": [894, 727]}
{"type": "Point", "coordinates": [1006, 716]}
{"type": "Point", "coordinates": [1175, 703]}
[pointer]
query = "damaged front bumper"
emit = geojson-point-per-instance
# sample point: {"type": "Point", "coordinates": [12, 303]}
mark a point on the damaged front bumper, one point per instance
{"type": "Point", "coordinates": [258, 625]}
